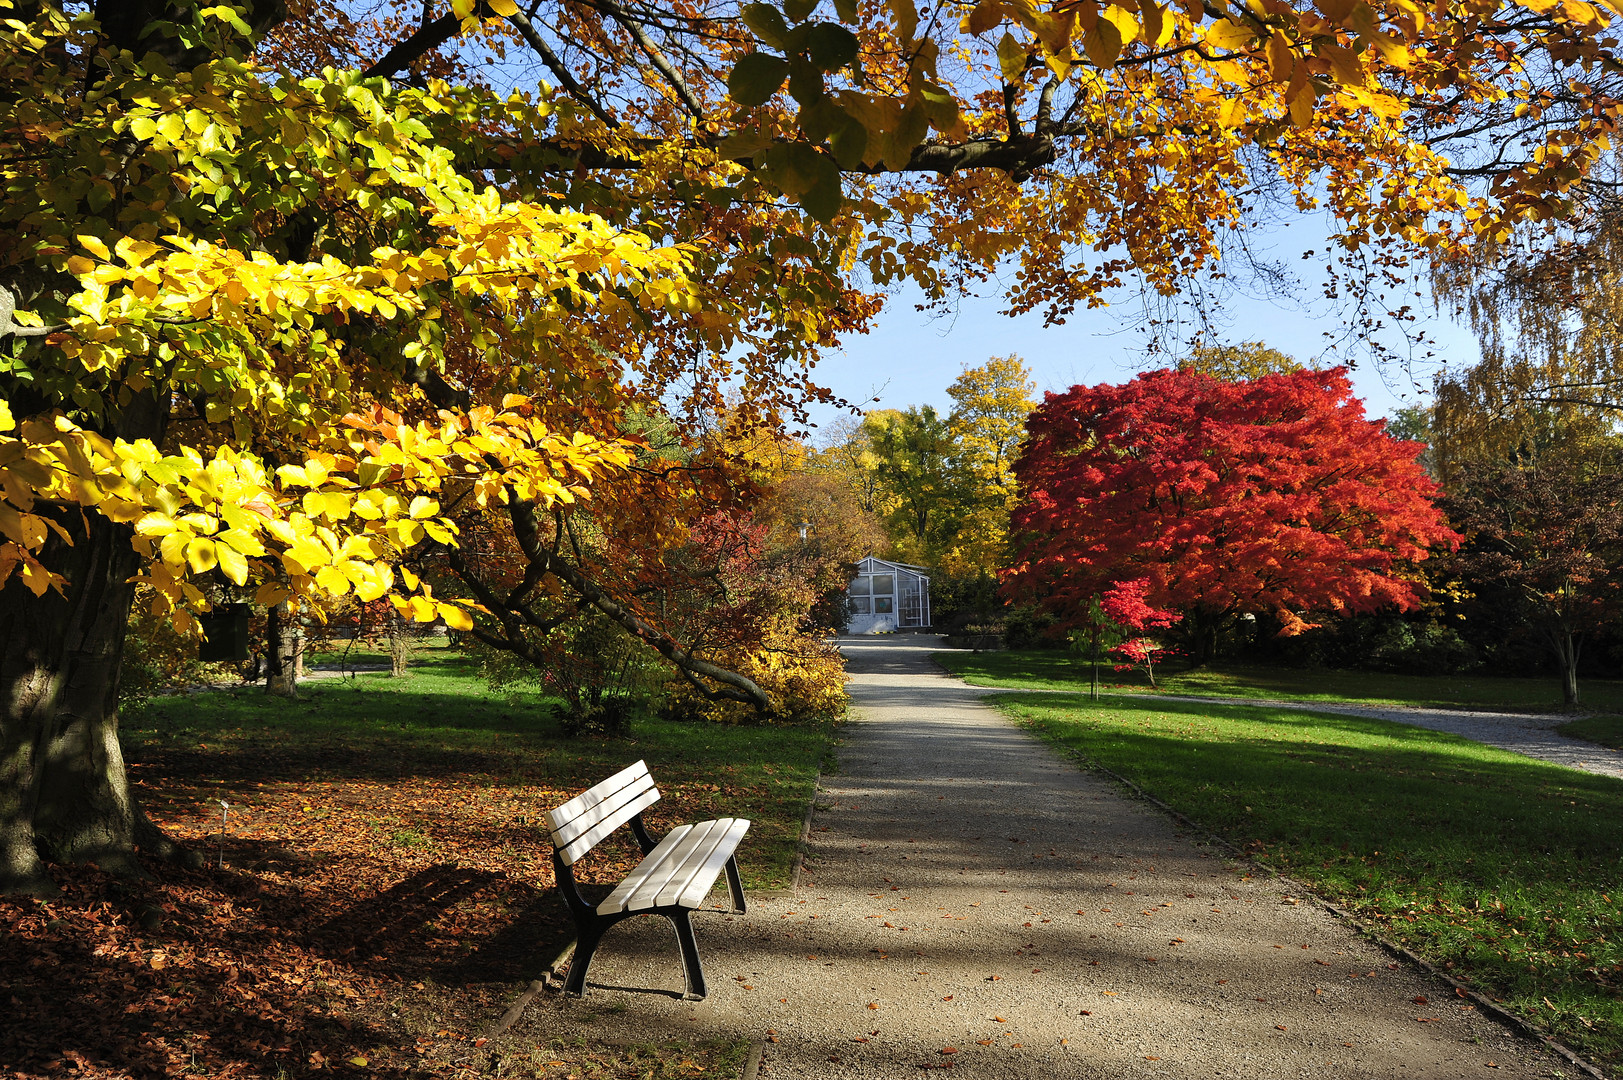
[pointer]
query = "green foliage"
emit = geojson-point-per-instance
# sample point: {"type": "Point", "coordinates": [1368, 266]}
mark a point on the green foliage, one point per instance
{"type": "Point", "coordinates": [157, 657]}
{"type": "Point", "coordinates": [920, 473]}
{"type": "Point", "coordinates": [601, 677]}
{"type": "Point", "coordinates": [1496, 865]}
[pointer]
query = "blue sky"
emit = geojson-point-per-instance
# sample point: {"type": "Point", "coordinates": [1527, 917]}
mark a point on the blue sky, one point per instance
{"type": "Point", "coordinates": [910, 358]}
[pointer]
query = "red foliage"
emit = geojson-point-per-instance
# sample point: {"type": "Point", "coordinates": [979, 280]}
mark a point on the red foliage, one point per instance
{"type": "Point", "coordinates": [1272, 495]}
{"type": "Point", "coordinates": [1125, 604]}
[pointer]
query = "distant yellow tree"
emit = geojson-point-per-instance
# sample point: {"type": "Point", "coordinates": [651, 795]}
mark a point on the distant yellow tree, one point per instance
{"type": "Point", "coordinates": [1233, 363]}
{"type": "Point", "coordinates": [990, 405]}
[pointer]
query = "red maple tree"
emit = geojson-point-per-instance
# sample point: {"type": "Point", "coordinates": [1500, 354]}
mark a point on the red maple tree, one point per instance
{"type": "Point", "coordinates": [1269, 496]}
{"type": "Point", "coordinates": [1124, 603]}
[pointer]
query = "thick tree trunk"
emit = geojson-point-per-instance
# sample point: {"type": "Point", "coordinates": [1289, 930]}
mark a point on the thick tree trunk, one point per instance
{"type": "Point", "coordinates": [64, 796]}
{"type": "Point", "coordinates": [1200, 633]}
{"type": "Point", "coordinates": [399, 645]}
{"type": "Point", "coordinates": [1567, 648]}
{"type": "Point", "coordinates": [281, 669]}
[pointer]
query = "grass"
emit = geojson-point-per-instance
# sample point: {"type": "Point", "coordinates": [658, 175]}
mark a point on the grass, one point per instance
{"type": "Point", "coordinates": [505, 750]}
{"type": "Point", "coordinates": [1053, 669]}
{"type": "Point", "coordinates": [1605, 730]}
{"type": "Point", "coordinates": [386, 887]}
{"type": "Point", "coordinates": [1494, 866]}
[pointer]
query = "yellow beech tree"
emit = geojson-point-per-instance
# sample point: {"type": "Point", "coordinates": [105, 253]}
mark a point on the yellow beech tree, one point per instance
{"type": "Point", "coordinates": [988, 422]}
{"type": "Point", "coordinates": [277, 311]}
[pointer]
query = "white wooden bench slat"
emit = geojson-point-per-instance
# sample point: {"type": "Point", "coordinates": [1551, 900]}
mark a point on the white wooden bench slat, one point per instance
{"type": "Point", "coordinates": [608, 803]}
{"type": "Point", "coordinates": [636, 892]}
{"type": "Point", "coordinates": [567, 833]}
{"type": "Point", "coordinates": [703, 876]}
{"type": "Point", "coordinates": [616, 900]}
{"type": "Point", "coordinates": [627, 783]}
{"type": "Point", "coordinates": [589, 839]}
{"type": "Point", "coordinates": [660, 889]}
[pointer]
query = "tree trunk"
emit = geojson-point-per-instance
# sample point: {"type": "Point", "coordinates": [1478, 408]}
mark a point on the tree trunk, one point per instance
{"type": "Point", "coordinates": [281, 674]}
{"type": "Point", "coordinates": [1567, 647]}
{"type": "Point", "coordinates": [64, 796]}
{"type": "Point", "coordinates": [399, 645]}
{"type": "Point", "coordinates": [1201, 629]}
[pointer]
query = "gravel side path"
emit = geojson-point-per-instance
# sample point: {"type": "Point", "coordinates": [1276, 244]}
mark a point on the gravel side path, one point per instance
{"type": "Point", "coordinates": [1532, 734]}
{"type": "Point", "coordinates": [974, 901]}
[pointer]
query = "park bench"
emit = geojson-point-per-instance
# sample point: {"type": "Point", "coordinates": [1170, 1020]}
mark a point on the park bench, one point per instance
{"type": "Point", "coordinates": [674, 877]}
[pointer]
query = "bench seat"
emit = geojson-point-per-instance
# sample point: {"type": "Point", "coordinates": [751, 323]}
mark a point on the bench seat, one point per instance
{"type": "Point", "coordinates": [673, 878]}
{"type": "Point", "coordinates": [681, 870]}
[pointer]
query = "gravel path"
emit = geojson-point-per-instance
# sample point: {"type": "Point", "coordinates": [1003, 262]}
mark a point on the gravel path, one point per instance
{"type": "Point", "coordinates": [974, 901]}
{"type": "Point", "coordinates": [1532, 734]}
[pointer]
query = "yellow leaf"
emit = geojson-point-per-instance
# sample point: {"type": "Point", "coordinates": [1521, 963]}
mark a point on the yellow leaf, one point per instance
{"type": "Point", "coordinates": [986, 15]}
{"type": "Point", "coordinates": [454, 617]}
{"type": "Point", "coordinates": [271, 593]}
{"type": "Point", "coordinates": [1103, 42]}
{"type": "Point", "coordinates": [7, 422]}
{"type": "Point", "coordinates": [332, 580]}
{"type": "Point", "coordinates": [233, 564]}
{"type": "Point", "coordinates": [409, 578]}
{"type": "Point", "coordinates": [35, 577]}
{"type": "Point", "coordinates": [506, 9]}
{"type": "Point", "coordinates": [201, 555]}
{"type": "Point", "coordinates": [1229, 36]}
{"type": "Point", "coordinates": [1158, 25]}
{"type": "Point", "coordinates": [308, 555]}
{"type": "Point", "coordinates": [422, 506]}
{"type": "Point", "coordinates": [155, 524]}
{"type": "Point", "coordinates": [1232, 113]}
{"type": "Point", "coordinates": [172, 548]}
{"type": "Point", "coordinates": [1280, 60]}
{"type": "Point", "coordinates": [462, 9]}
{"type": "Point", "coordinates": [1122, 19]}
{"type": "Point", "coordinates": [95, 245]}
{"type": "Point", "coordinates": [1011, 57]}
{"type": "Point", "coordinates": [421, 609]}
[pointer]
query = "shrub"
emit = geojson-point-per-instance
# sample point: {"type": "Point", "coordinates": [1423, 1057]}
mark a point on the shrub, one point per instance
{"type": "Point", "coordinates": [805, 678]}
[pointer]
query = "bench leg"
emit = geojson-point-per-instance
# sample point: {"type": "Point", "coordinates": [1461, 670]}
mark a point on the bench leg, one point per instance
{"type": "Point", "coordinates": [585, 946]}
{"type": "Point", "coordinates": [692, 970]}
{"type": "Point", "coordinates": [735, 886]}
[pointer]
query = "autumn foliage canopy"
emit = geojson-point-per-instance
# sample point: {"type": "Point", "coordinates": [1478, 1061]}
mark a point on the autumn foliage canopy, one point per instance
{"type": "Point", "coordinates": [1269, 496]}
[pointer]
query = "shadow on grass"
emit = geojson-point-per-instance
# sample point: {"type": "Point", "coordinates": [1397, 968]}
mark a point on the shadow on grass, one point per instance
{"type": "Point", "coordinates": [1500, 866]}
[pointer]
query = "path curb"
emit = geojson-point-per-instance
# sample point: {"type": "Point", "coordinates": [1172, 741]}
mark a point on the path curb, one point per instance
{"type": "Point", "coordinates": [1487, 1004]}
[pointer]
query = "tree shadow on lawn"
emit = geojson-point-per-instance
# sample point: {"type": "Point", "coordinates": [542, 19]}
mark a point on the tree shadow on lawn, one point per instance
{"type": "Point", "coordinates": [1499, 863]}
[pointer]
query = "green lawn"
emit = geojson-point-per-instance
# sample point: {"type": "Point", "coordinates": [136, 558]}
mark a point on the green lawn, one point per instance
{"type": "Point", "coordinates": [1053, 669]}
{"type": "Point", "coordinates": [1495, 866]}
{"type": "Point", "coordinates": [1607, 730]}
{"type": "Point", "coordinates": [443, 722]}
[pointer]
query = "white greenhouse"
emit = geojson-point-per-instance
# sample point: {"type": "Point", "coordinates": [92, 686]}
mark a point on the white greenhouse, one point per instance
{"type": "Point", "coordinates": [886, 596]}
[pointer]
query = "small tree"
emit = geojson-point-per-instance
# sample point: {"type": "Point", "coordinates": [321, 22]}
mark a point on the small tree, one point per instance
{"type": "Point", "coordinates": [1124, 603]}
{"type": "Point", "coordinates": [1094, 636]}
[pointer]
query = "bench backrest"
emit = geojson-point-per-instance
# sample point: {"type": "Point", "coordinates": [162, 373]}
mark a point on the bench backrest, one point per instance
{"type": "Point", "coordinates": [579, 824]}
